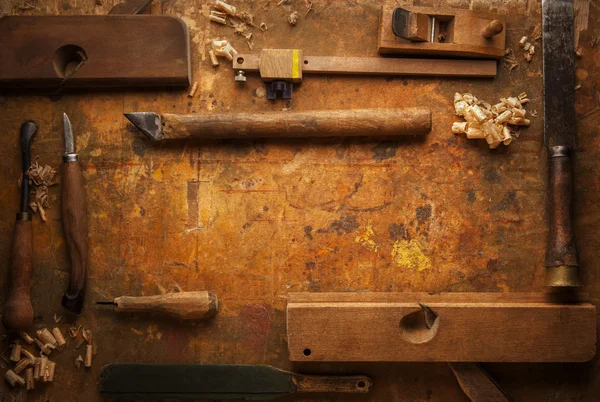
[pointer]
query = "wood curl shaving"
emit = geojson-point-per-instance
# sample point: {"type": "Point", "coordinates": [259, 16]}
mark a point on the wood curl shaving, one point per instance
{"type": "Point", "coordinates": [496, 123]}
{"type": "Point", "coordinates": [40, 178]}
{"type": "Point", "coordinates": [293, 18]}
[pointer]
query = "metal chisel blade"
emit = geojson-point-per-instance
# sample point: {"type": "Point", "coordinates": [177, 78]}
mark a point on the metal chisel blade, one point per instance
{"type": "Point", "coordinates": [68, 134]}
{"type": "Point", "coordinates": [559, 73]}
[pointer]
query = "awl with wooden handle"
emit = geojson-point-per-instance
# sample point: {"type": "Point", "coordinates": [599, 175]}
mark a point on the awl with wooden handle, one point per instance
{"type": "Point", "coordinates": [74, 222]}
{"type": "Point", "coordinates": [183, 305]}
{"type": "Point", "coordinates": [217, 381]}
{"type": "Point", "coordinates": [323, 123]}
{"type": "Point", "coordinates": [18, 311]}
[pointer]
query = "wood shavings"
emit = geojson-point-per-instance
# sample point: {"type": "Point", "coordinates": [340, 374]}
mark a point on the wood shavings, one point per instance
{"type": "Point", "coordinates": [224, 48]}
{"type": "Point", "coordinates": [309, 5]}
{"type": "Point", "coordinates": [88, 356]}
{"type": "Point", "coordinates": [78, 362]}
{"type": "Point", "coordinates": [15, 354]}
{"type": "Point", "coordinates": [13, 378]}
{"type": "Point", "coordinates": [46, 336]}
{"type": "Point", "coordinates": [536, 34]}
{"type": "Point", "coordinates": [73, 331]}
{"type": "Point", "coordinates": [594, 41]}
{"type": "Point", "coordinates": [510, 62]}
{"type": "Point", "coordinates": [579, 52]}
{"type": "Point", "coordinates": [490, 122]}
{"type": "Point", "coordinates": [26, 337]}
{"type": "Point", "coordinates": [263, 27]}
{"type": "Point", "coordinates": [218, 20]}
{"type": "Point", "coordinates": [40, 177]}
{"type": "Point", "coordinates": [226, 8]}
{"type": "Point", "coordinates": [29, 381]}
{"type": "Point", "coordinates": [28, 355]}
{"type": "Point", "coordinates": [293, 18]}
{"type": "Point", "coordinates": [213, 58]}
{"type": "Point", "coordinates": [193, 90]}
{"type": "Point", "coordinates": [523, 41]}
{"type": "Point", "coordinates": [577, 87]}
{"type": "Point", "coordinates": [87, 335]}
{"type": "Point", "coordinates": [22, 365]}
{"type": "Point", "coordinates": [57, 318]}
{"type": "Point", "coordinates": [60, 339]}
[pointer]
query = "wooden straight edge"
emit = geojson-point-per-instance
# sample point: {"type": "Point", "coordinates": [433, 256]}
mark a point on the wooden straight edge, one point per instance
{"type": "Point", "coordinates": [382, 66]}
{"type": "Point", "coordinates": [467, 327]}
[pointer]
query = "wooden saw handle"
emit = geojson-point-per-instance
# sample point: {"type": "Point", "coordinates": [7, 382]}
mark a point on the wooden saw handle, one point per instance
{"type": "Point", "coordinates": [183, 305]}
{"type": "Point", "coordinates": [18, 311]}
{"type": "Point", "coordinates": [75, 227]}
{"type": "Point", "coordinates": [326, 123]}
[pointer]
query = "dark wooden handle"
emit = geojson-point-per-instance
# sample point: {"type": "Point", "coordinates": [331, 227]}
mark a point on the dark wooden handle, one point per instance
{"type": "Point", "coordinates": [75, 227]}
{"type": "Point", "coordinates": [184, 305]}
{"type": "Point", "coordinates": [359, 384]}
{"type": "Point", "coordinates": [18, 311]}
{"type": "Point", "coordinates": [561, 254]}
{"type": "Point", "coordinates": [342, 123]}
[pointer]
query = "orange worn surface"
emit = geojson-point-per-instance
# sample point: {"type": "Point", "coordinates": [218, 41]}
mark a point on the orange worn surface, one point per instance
{"type": "Point", "coordinates": [254, 220]}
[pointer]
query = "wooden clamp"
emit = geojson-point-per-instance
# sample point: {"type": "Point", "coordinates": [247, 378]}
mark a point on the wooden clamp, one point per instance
{"type": "Point", "coordinates": [436, 31]}
{"type": "Point", "coordinates": [455, 327]}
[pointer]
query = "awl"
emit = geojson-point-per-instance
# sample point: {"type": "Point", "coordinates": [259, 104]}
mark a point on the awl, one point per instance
{"type": "Point", "coordinates": [18, 311]}
{"type": "Point", "coordinates": [217, 381]}
{"type": "Point", "coordinates": [322, 123]}
{"type": "Point", "coordinates": [74, 222]}
{"type": "Point", "coordinates": [562, 265]}
{"type": "Point", "coordinates": [183, 305]}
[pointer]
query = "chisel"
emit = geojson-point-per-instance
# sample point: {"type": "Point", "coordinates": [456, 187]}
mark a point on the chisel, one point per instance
{"type": "Point", "coordinates": [182, 305]}
{"type": "Point", "coordinates": [18, 311]}
{"type": "Point", "coordinates": [74, 222]}
{"type": "Point", "coordinates": [562, 265]}
{"type": "Point", "coordinates": [217, 381]}
{"type": "Point", "coordinates": [321, 123]}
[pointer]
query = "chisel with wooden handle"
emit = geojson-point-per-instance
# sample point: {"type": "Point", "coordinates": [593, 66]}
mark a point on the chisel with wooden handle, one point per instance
{"type": "Point", "coordinates": [183, 305]}
{"type": "Point", "coordinates": [18, 311]}
{"type": "Point", "coordinates": [323, 123]}
{"type": "Point", "coordinates": [217, 381]}
{"type": "Point", "coordinates": [74, 222]}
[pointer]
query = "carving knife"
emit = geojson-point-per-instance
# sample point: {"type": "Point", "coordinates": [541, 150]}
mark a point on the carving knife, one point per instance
{"type": "Point", "coordinates": [562, 265]}
{"type": "Point", "coordinates": [74, 222]}
{"type": "Point", "coordinates": [217, 381]}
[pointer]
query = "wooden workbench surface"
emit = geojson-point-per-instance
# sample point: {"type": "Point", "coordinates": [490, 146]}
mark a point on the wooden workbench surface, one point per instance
{"type": "Point", "coordinates": [254, 220]}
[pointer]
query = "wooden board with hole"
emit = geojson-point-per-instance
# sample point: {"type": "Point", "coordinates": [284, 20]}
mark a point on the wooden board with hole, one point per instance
{"type": "Point", "coordinates": [483, 327]}
{"type": "Point", "coordinates": [111, 51]}
{"type": "Point", "coordinates": [460, 29]}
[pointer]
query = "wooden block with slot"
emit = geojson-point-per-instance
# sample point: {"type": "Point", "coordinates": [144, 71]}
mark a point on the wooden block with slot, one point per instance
{"type": "Point", "coordinates": [281, 64]}
{"type": "Point", "coordinates": [456, 33]}
{"type": "Point", "coordinates": [111, 51]}
{"type": "Point", "coordinates": [394, 327]}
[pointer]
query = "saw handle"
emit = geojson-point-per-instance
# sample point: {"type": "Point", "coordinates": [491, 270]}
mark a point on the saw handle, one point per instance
{"type": "Point", "coordinates": [75, 227]}
{"type": "Point", "coordinates": [562, 263]}
{"type": "Point", "coordinates": [358, 384]}
{"type": "Point", "coordinates": [18, 311]}
{"type": "Point", "coordinates": [183, 305]}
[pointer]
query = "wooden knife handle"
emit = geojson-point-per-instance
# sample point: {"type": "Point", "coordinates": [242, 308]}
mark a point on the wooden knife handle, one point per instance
{"type": "Point", "coordinates": [359, 384]}
{"type": "Point", "coordinates": [562, 263]}
{"type": "Point", "coordinates": [18, 311]}
{"type": "Point", "coordinates": [75, 227]}
{"type": "Point", "coordinates": [326, 123]}
{"type": "Point", "coordinates": [476, 383]}
{"type": "Point", "coordinates": [183, 305]}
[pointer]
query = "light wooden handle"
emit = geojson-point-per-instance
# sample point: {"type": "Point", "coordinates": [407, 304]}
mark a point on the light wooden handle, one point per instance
{"type": "Point", "coordinates": [343, 123]}
{"type": "Point", "coordinates": [358, 384]}
{"type": "Point", "coordinates": [492, 29]}
{"type": "Point", "coordinates": [18, 311]}
{"type": "Point", "coordinates": [184, 305]}
{"type": "Point", "coordinates": [75, 227]}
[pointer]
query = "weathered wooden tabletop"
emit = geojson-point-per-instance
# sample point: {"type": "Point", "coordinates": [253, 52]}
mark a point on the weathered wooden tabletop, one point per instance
{"type": "Point", "coordinates": [254, 220]}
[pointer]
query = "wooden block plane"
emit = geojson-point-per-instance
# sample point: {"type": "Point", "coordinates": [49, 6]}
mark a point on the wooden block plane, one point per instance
{"type": "Point", "coordinates": [446, 327]}
{"type": "Point", "coordinates": [93, 51]}
{"type": "Point", "coordinates": [445, 32]}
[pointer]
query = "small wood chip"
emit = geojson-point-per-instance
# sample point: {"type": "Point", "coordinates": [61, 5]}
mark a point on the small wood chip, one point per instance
{"type": "Point", "coordinates": [13, 378]}
{"type": "Point", "coordinates": [193, 90]}
{"type": "Point", "coordinates": [36, 368]}
{"type": "Point", "coordinates": [213, 58]}
{"type": "Point", "coordinates": [15, 354]}
{"type": "Point", "coordinates": [263, 27]}
{"type": "Point", "coordinates": [26, 337]}
{"type": "Point", "coordinates": [28, 355]}
{"type": "Point", "coordinates": [29, 381]}
{"type": "Point", "coordinates": [78, 362]}
{"type": "Point", "coordinates": [22, 365]}
{"type": "Point", "coordinates": [218, 20]}
{"type": "Point", "coordinates": [45, 348]}
{"type": "Point", "coordinates": [88, 356]}
{"type": "Point", "coordinates": [293, 18]}
{"type": "Point", "coordinates": [87, 335]}
{"type": "Point", "coordinates": [46, 336]}
{"type": "Point", "coordinates": [60, 339]}
{"type": "Point", "coordinates": [73, 332]}
{"type": "Point", "coordinates": [57, 318]}
{"type": "Point", "coordinates": [49, 371]}
{"type": "Point", "coordinates": [227, 8]}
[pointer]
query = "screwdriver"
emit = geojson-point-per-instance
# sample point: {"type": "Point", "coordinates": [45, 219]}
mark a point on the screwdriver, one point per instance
{"type": "Point", "coordinates": [18, 311]}
{"type": "Point", "coordinates": [183, 305]}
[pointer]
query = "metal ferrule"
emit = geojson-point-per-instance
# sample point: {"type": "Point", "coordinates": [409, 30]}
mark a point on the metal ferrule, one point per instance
{"type": "Point", "coordinates": [23, 216]}
{"type": "Point", "coordinates": [559, 151]}
{"type": "Point", "coordinates": [562, 276]}
{"type": "Point", "coordinates": [68, 158]}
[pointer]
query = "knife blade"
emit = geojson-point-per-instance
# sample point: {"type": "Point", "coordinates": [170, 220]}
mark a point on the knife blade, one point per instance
{"type": "Point", "coordinates": [216, 381]}
{"type": "Point", "coordinates": [562, 264]}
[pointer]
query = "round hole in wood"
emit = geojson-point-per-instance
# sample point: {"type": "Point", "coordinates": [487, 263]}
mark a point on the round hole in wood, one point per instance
{"type": "Point", "coordinates": [307, 352]}
{"type": "Point", "coordinates": [67, 58]}
{"type": "Point", "coordinates": [361, 384]}
{"type": "Point", "coordinates": [414, 330]}
{"type": "Point", "coordinates": [240, 60]}
{"type": "Point", "coordinates": [305, 61]}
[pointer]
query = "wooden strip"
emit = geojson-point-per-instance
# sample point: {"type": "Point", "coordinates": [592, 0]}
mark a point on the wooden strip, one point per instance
{"type": "Point", "coordinates": [116, 51]}
{"type": "Point", "coordinates": [376, 66]}
{"type": "Point", "coordinates": [470, 327]}
{"type": "Point", "coordinates": [476, 383]}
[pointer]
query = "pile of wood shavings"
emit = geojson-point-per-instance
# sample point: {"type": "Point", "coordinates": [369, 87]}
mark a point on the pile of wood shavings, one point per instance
{"type": "Point", "coordinates": [490, 122]}
{"type": "Point", "coordinates": [41, 177]}
{"type": "Point", "coordinates": [240, 21]}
